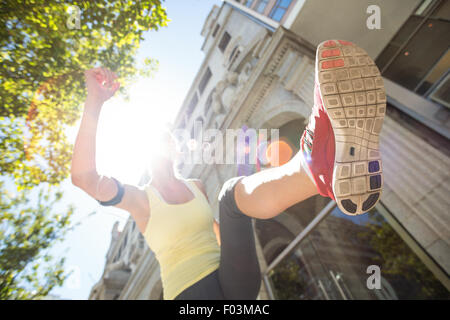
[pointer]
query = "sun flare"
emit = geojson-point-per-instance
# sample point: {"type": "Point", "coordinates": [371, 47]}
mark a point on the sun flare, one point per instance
{"type": "Point", "coordinates": [128, 130]}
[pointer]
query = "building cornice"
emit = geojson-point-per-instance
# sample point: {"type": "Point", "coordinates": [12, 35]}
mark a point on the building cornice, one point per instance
{"type": "Point", "coordinates": [262, 78]}
{"type": "Point", "coordinates": [197, 77]}
{"type": "Point", "coordinates": [254, 15]}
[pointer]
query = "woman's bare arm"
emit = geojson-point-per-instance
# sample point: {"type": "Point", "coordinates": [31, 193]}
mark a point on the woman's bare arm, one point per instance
{"type": "Point", "coordinates": [101, 86]}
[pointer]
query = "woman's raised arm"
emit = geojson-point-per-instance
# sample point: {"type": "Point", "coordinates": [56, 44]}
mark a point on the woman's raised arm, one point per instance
{"type": "Point", "coordinates": [101, 86]}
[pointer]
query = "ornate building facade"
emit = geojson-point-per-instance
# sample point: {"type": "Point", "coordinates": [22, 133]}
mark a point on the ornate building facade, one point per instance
{"type": "Point", "coordinates": [258, 72]}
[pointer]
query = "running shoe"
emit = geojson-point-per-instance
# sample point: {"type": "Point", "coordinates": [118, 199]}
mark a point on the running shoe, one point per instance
{"type": "Point", "coordinates": [341, 141]}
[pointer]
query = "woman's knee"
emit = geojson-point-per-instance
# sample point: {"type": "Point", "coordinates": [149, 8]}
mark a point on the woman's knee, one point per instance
{"type": "Point", "coordinates": [227, 199]}
{"type": "Point", "coordinates": [257, 206]}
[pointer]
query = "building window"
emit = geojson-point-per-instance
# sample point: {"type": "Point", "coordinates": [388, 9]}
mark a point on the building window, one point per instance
{"type": "Point", "coordinates": [441, 93]}
{"type": "Point", "coordinates": [215, 30]}
{"type": "Point", "coordinates": [182, 124]}
{"type": "Point", "coordinates": [224, 41]}
{"type": "Point", "coordinates": [424, 7]}
{"type": "Point", "coordinates": [279, 9]}
{"type": "Point", "coordinates": [209, 102]}
{"type": "Point", "coordinates": [192, 105]}
{"type": "Point", "coordinates": [233, 56]}
{"type": "Point", "coordinates": [235, 50]}
{"type": "Point", "coordinates": [418, 58]}
{"type": "Point", "coordinates": [261, 6]}
{"type": "Point", "coordinates": [197, 127]}
{"type": "Point", "coordinates": [249, 3]}
{"type": "Point", "coordinates": [205, 80]}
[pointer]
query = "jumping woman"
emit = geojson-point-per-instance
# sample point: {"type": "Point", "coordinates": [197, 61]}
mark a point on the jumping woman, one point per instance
{"type": "Point", "coordinates": [200, 259]}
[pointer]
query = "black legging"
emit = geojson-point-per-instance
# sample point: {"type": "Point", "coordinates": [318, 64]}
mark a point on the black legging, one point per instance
{"type": "Point", "coordinates": [238, 276]}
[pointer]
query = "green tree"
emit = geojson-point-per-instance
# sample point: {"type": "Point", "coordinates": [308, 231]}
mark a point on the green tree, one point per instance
{"type": "Point", "coordinates": [42, 63]}
{"type": "Point", "coordinates": [287, 281]}
{"type": "Point", "coordinates": [27, 231]}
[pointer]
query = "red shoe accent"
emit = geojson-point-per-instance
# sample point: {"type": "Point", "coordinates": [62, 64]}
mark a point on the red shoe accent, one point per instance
{"type": "Point", "coordinates": [331, 53]}
{"type": "Point", "coordinates": [345, 43]}
{"type": "Point", "coordinates": [329, 43]}
{"type": "Point", "coordinates": [320, 159]}
{"type": "Point", "coordinates": [332, 64]}
{"type": "Point", "coordinates": [341, 141]}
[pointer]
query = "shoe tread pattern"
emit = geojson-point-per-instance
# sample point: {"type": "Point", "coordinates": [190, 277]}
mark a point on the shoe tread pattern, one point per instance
{"type": "Point", "coordinates": [353, 95]}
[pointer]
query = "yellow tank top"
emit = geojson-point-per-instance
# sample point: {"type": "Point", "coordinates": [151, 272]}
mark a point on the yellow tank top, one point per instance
{"type": "Point", "coordinates": [182, 238]}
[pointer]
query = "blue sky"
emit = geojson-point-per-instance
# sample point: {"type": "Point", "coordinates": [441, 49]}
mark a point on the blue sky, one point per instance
{"type": "Point", "coordinates": [124, 137]}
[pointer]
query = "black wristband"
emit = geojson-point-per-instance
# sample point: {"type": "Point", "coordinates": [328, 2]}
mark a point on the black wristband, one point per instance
{"type": "Point", "coordinates": [118, 197]}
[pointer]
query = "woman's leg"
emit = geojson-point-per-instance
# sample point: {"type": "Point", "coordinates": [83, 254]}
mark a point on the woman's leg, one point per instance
{"type": "Point", "coordinates": [340, 143]}
{"type": "Point", "coordinates": [239, 272]}
{"type": "Point", "coordinates": [267, 193]}
{"type": "Point", "coordinates": [208, 288]}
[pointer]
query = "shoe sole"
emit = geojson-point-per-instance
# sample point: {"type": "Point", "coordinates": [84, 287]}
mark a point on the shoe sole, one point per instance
{"type": "Point", "coordinates": [353, 95]}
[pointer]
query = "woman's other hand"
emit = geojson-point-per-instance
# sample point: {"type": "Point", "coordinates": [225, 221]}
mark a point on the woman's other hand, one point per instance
{"type": "Point", "coordinates": [101, 84]}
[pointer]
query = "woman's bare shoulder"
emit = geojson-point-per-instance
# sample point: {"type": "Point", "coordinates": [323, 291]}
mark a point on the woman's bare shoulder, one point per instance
{"type": "Point", "coordinates": [136, 202]}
